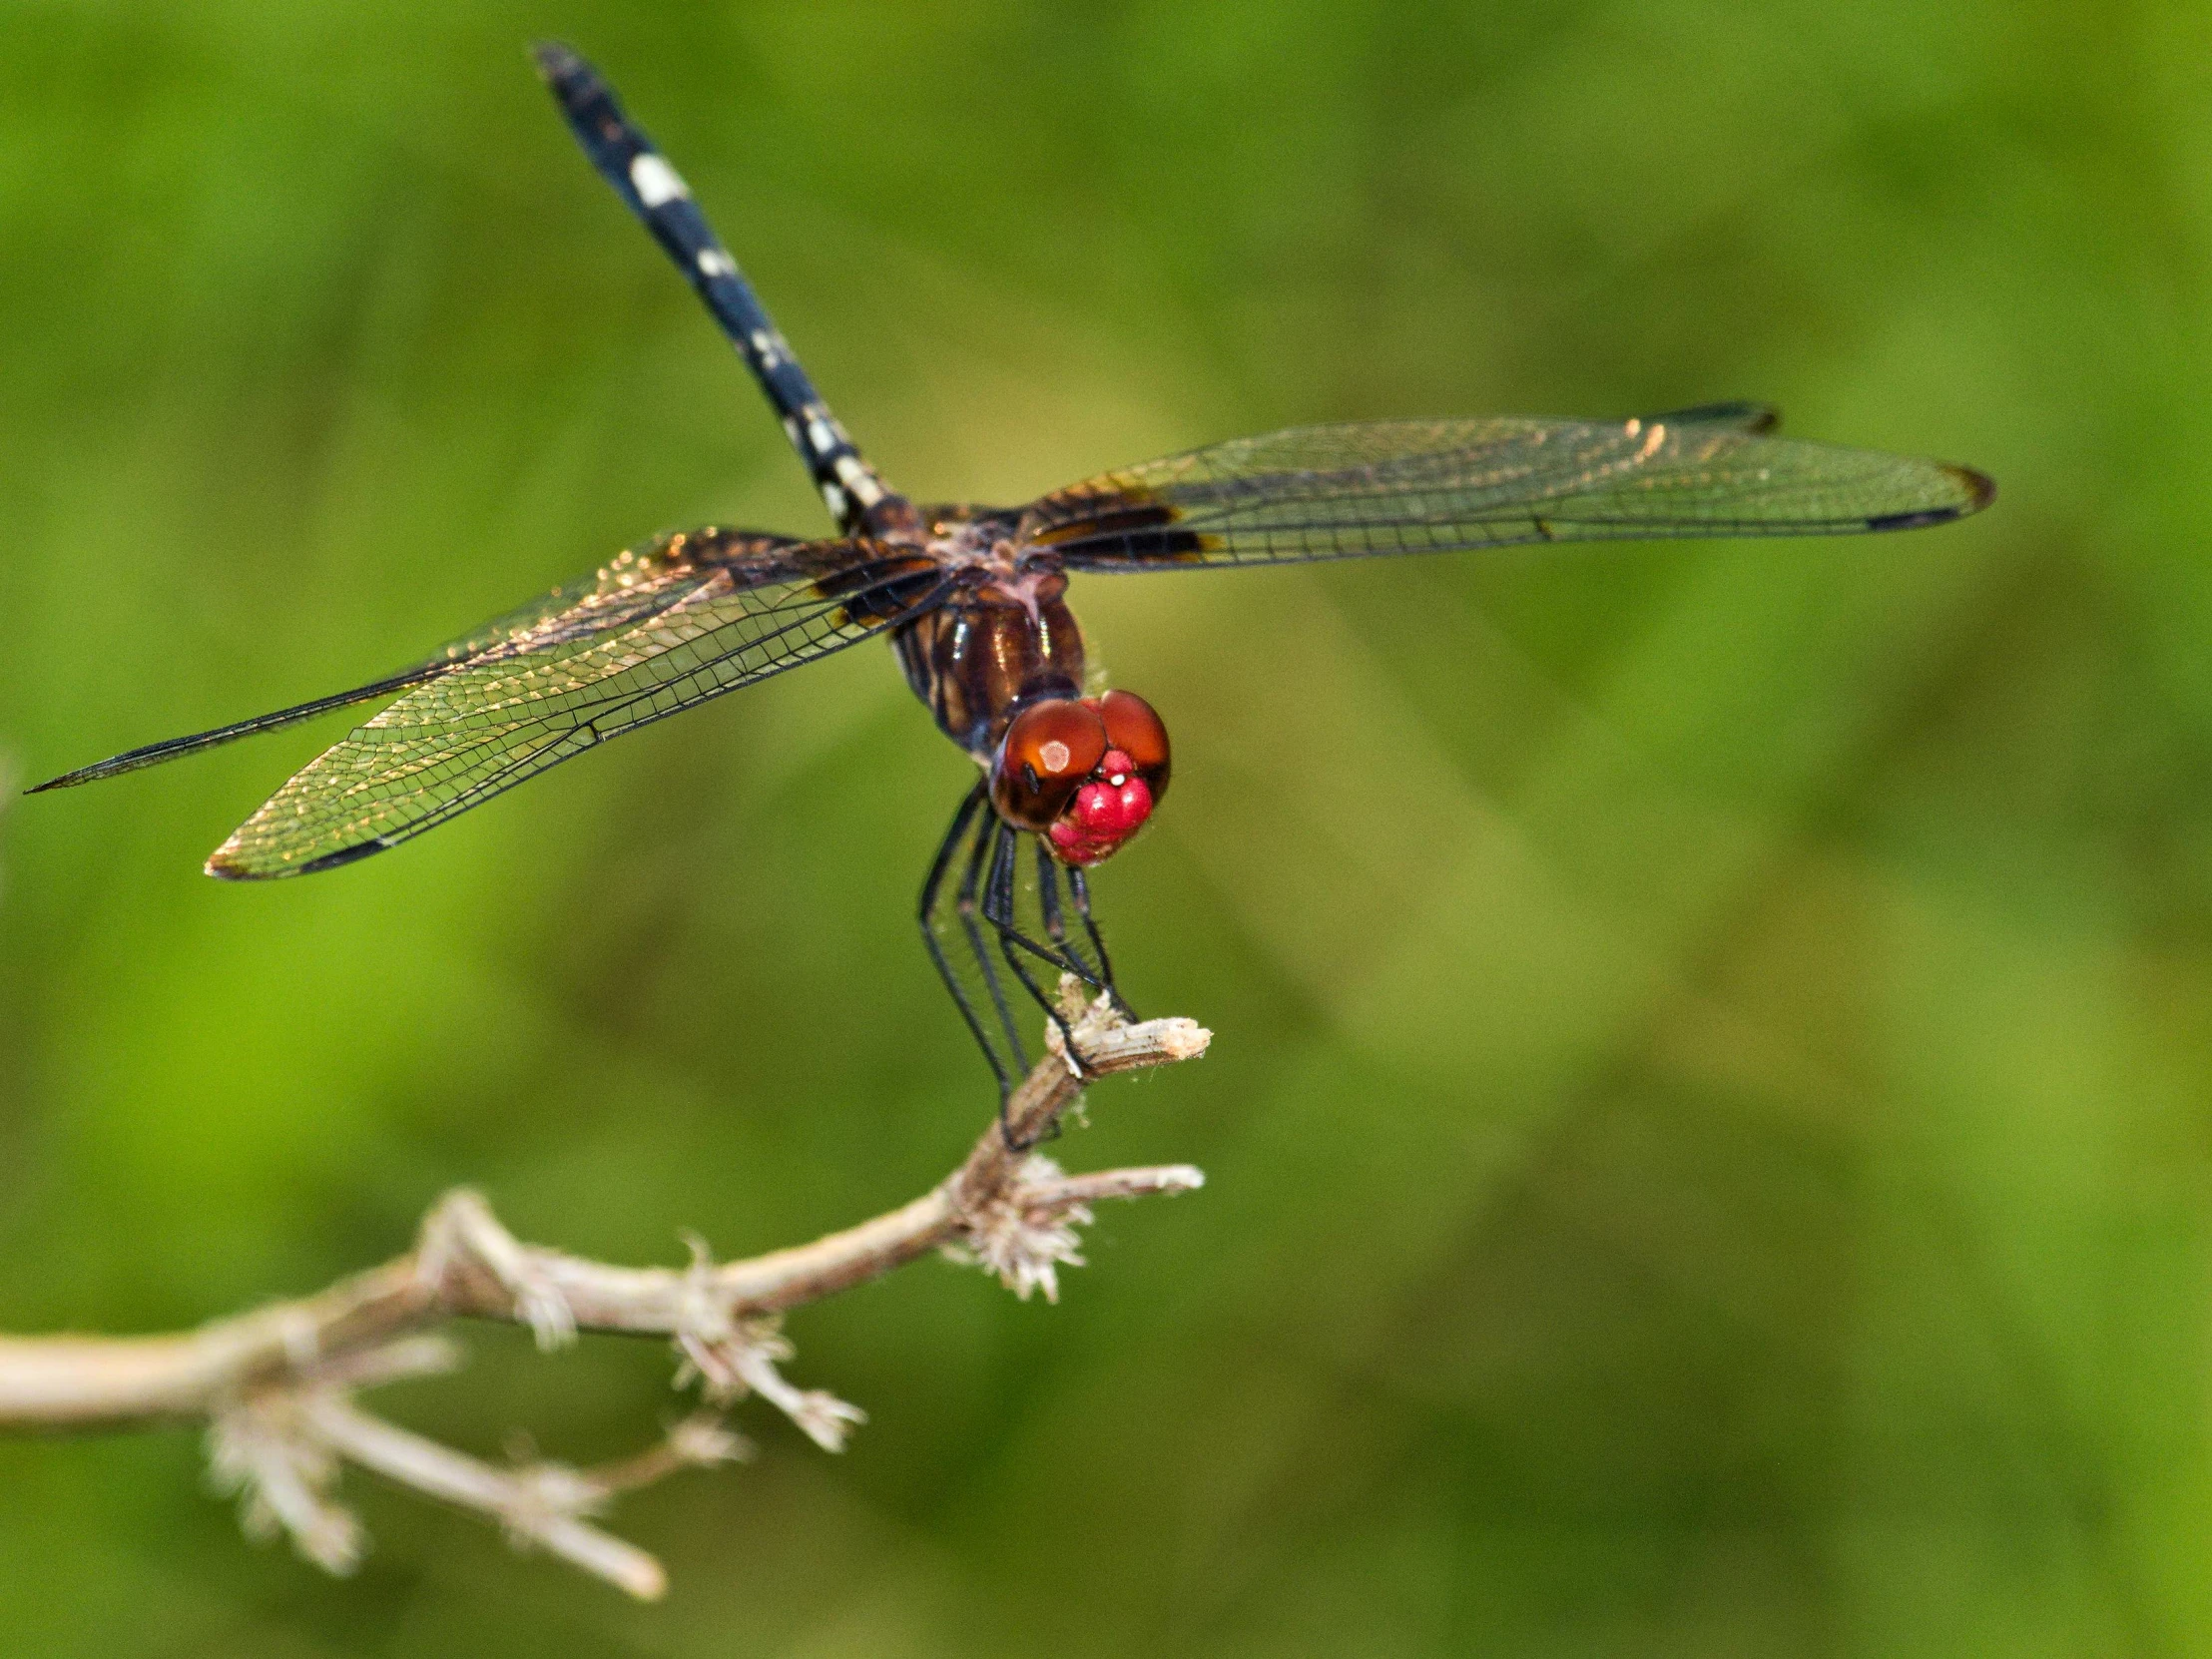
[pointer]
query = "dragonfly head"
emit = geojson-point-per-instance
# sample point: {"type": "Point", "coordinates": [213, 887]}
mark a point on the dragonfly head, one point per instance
{"type": "Point", "coordinates": [1084, 773]}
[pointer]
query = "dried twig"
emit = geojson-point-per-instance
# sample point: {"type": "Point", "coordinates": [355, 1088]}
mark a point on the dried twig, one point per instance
{"type": "Point", "coordinates": [278, 1386]}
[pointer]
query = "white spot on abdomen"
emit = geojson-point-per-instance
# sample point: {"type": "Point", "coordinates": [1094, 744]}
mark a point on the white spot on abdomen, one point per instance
{"type": "Point", "coordinates": [655, 180]}
{"type": "Point", "coordinates": [859, 480]}
{"type": "Point", "coordinates": [714, 261]}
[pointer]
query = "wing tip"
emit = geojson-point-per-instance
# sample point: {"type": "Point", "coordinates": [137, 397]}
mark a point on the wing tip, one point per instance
{"type": "Point", "coordinates": [114, 767]}
{"type": "Point", "coordinates": [224, 866]}
{"type": "Point", "coordinates": [1978, 489]}
{"type": "Point", "coordinates": [1981, 489]}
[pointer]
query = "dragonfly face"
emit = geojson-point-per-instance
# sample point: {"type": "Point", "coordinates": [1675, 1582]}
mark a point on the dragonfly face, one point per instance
{"type": "Point", "coordinates": [1085, 774]}
{"type": "Point", "coordinates": [973, 601]}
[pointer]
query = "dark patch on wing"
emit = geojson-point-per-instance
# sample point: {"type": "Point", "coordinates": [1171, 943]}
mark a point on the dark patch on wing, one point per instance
{"type": "Point", "coordinates": [1121, 523]}
{"type": "Point", "coordinates": [1742, 416]}
{"type": "Point", "coordinates": [1390, 487]}
{"type": "Point", "coordinates": [885, 589]}
{"type": "Point", "coordinates": [1980, 490]}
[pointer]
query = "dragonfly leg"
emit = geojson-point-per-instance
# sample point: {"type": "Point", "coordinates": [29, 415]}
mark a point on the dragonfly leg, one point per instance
{"type": "Point", "coordinates": [1000, 893]}
{"type": "Point", "coordinates": [1023, 949]}
{"type": "Point", "coordinates": [1055, 916]}
{"type": "Point", "coordinates": [1001, 899]}
{"type": "Point", "coordinates": [1079, 890]}
{"type": "Point", "coordinates": [930, 913]}
{"type": "Point", "coordinates": [968, 906]}
{"type": "Point", "coordinates": [629, 160]}
{"type": "Point", "coordinates": [974, 907]}
{"type": "Point", "coordinates": [1084, 952]}
{"type": "Point", "coordinates": [986, 853]}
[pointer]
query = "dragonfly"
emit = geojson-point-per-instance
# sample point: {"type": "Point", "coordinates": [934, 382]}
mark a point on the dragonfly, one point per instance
{"type": "Point", "coordinates": [973, 602]}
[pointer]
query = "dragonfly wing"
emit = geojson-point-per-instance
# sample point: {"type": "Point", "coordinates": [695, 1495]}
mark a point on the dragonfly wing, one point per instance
{"type": "Point", "coordinates": [1744, 417]}
{"type": "Point", "coordinates": [169, 749]}
{"type": "Point", "coordinates": [656, 631]}
{"type": "Point", "coordinates": [1335, 492]}
{"type": "Point", "coordinates": [610, 598]}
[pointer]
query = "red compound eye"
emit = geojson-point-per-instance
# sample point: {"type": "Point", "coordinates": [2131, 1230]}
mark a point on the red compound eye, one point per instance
{"type": "Point", "coordinates": [1046, 754]}
{"type": "Point", "coordinates": [1139, 733]}
{"type": "Point", "coordinates": [1114, 802]}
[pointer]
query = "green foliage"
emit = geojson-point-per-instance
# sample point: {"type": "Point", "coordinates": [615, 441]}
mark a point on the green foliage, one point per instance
{"type": "Point", "coordinates": [1707, 1127]}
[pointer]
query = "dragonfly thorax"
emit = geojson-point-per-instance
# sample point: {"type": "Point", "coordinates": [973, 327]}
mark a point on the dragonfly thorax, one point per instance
{"type": "Point", "coordinates": [1001, 644]}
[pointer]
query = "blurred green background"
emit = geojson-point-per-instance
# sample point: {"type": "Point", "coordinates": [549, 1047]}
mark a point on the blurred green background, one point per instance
{"type": "Point", "coordinates": [1708, 1123]}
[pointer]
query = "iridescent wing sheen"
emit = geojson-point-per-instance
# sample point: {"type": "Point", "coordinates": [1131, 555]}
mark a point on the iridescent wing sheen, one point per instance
{"type": "Point", "coordinates": [656, 631]}
{"type": "Point", "coordinates": [1336, 492]}
{"type": "Point", "coordinates": [581, 598]}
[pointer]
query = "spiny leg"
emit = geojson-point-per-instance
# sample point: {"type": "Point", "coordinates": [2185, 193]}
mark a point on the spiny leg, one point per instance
{"type": "Point", "coordinates": [967, 907]}
{"type": "Point", "coordinates": [1001, 897]}
{"type": "Point", "coordinates": [1093, 968]}
{"type": "Point", "coordinates": [989, 851]}
{"type": "Point", "coordinates": [1048, 907]}
{"type": "Point", "coordinates": [1002, 908]}
{"type": "Point", "coordinates": [998, 910]}
{"type": "Point", "coordinates": [856, 496]}
{"type": "Point", "coordinates": [932, 889]}
{"type": "Point", "coordinates": [999, 890]}
{"type": "Point", "coordinates": [1079, 890]}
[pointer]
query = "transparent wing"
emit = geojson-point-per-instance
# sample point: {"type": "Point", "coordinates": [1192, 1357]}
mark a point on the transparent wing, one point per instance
{"type": "Point", "coordinates": [1335, 492]}
{"type": "Point", "coordinates": [611, 597]}
{"type": "Point", "coordinates": [687, 621]}
{"type": "Point", "coordinates": [656, 631]}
